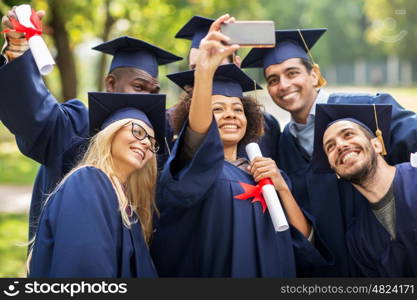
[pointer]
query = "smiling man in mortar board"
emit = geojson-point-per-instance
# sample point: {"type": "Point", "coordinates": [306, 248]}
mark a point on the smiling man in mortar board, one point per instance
{"type": "Point", "coordinates": [350, 140]}
{"type": "Point", "coordinates": [294, 82]}
{"type": "Point", "coordinates": [54, 134]}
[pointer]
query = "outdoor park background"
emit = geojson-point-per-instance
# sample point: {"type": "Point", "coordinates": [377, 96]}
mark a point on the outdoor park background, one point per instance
{"type": "Point", "coordinates": [370, 47]}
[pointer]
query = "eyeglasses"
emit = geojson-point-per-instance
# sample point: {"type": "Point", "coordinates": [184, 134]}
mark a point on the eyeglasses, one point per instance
{"type": "Point", "coordinates": [140, 133]}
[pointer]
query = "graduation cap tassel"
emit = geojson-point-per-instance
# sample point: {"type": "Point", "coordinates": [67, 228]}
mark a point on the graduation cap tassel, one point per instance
{"type": "Point", "coordinates": [322, 81]}
{"type": "Point", "coordinates": [381, 139]}
{"type": "Point", "coordinates": [378, 133]}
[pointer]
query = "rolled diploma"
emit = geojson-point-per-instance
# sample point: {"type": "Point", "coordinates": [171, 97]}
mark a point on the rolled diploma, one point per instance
{"type": "Point", "coordinates": [270, 194]}
{"type": "Point", "coordinates": [40, 51]}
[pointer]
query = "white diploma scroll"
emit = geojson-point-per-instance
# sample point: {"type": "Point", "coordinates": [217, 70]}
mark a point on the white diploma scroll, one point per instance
{"type": "Point", "coordinates": [270, 194]}
{"type": "Point", "coordinates": [40, 51]}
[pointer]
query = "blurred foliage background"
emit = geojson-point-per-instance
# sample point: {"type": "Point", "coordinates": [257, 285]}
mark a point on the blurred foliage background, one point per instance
{"type": "Point", "coordinates": [371, 31]}
{"type": "Point", "coordinates": [370, 45]}
{"type": "Point", "coordinates": [13, 235]}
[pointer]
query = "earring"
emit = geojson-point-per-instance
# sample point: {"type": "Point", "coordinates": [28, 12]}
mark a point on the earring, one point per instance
{"type": "Point", "coordinates": [337, 176]}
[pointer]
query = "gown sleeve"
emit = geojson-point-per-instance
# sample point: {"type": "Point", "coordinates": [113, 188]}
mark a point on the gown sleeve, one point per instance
{"type": "Point", "coordinates": [82, 222]}
{"type": "Point", "coordinates": [44, 128]}
{"type": "Point", "coordinates": [185, 185]}
{"type": "Point", "coordinates": [310, 255]}
{"type": "Point", "coordinates": [363, 262]}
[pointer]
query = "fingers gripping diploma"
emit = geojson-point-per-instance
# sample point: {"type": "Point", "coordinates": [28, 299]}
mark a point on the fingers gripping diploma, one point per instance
{"type": "Point", "coordinates": [7, 24]}
{"type": "Point", "coordinates": [265, 167]}
{"type": "Point", "coordinates": [262, 169]}
{"type": "Point", "coordinates": [24, 20]}
{"type": "Point", "coordinates": [211, 53]}
{"type": "Point", "coordinates": [16, 43]}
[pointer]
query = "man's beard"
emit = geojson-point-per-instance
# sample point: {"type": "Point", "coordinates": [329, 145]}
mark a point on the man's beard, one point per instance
{"type": "Point", "coordinates": [365, 173]}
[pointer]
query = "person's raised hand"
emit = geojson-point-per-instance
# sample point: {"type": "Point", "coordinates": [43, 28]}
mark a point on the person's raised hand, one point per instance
{"type": "Point", "coordinates": [7, 24]}
{"type": "Point", "coordinates": [16, 41]}
{"type": "Point", "coordinates": [213, 48]}
{"type": "Point", "coordinates": [264, 167]}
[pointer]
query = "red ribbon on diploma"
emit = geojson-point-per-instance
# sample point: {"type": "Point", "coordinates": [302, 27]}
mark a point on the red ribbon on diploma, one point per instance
{"type": "Point", "coordinates": [255, 192]}
{"type": "Point", "coordinates": [28, 31]}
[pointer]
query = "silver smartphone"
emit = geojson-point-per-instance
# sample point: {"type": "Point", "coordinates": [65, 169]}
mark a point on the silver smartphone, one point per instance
{"type": "Point", "coordinates": [258, 34]}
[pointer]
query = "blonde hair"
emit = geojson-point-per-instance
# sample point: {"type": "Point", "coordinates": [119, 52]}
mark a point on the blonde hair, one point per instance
{"type": "Point", "coordinates": [139, 191]}
{"type": "Point", "coordinates": [138, 194]}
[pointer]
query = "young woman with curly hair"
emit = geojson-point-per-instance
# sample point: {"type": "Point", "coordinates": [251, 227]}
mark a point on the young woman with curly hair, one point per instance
{"type": "Point", "coordinates": [204, 231]}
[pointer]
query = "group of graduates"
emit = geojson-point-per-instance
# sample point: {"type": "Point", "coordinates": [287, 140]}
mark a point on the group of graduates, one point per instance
{"type": "Point", "coordinates": [127, 188]}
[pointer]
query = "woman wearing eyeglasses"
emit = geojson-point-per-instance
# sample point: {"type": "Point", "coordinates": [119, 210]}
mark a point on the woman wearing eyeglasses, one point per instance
{"type": "Point", "coordinates": [98, 220]}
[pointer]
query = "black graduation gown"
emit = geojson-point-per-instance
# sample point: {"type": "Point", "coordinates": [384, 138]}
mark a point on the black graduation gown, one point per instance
{"type": "Point", "coordinates": [332, 202]}
{"type": "Point", "coordinates": [370, 244]}
{"type": "Point", "coordinates": [81, 233]}
{"type": "Point", "coordinates": [204, 231]}
{"type": "Point", "coordinates": [44, 129]}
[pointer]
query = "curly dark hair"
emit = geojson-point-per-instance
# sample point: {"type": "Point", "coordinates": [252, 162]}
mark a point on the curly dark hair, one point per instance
{"type": "Point", "coordinates": [252, 109]}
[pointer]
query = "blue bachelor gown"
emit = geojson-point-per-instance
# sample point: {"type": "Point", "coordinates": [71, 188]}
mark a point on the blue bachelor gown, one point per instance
{"type": "Point", "coordinates": [370, 244]}
{"type": "Point", "coordinates": [45, 130]}
{"type": "Point", "coordinates": [53, 134]}
{"type": "Point", "coordinates": [333, 203]}
{"type": "Point", "coordinates": [269, 142]}
{"type": "Point", "coordinates": [81, 233]}
{"type": "Point", "coordinates": [203, 231]}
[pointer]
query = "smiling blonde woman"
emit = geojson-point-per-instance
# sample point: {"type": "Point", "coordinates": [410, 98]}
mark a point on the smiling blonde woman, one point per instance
{"type": "Point", "coordinates": [98, 220]}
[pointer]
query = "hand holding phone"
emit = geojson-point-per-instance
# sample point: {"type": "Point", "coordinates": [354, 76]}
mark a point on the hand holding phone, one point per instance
{"type": "Point", "coordinates": [213, 48]}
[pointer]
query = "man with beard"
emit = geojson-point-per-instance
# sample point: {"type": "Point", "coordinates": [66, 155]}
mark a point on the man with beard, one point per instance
{"type": "Point", "coordinates": [294, 83]}
{"type": "Point", "coordinates": [382, 238]}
